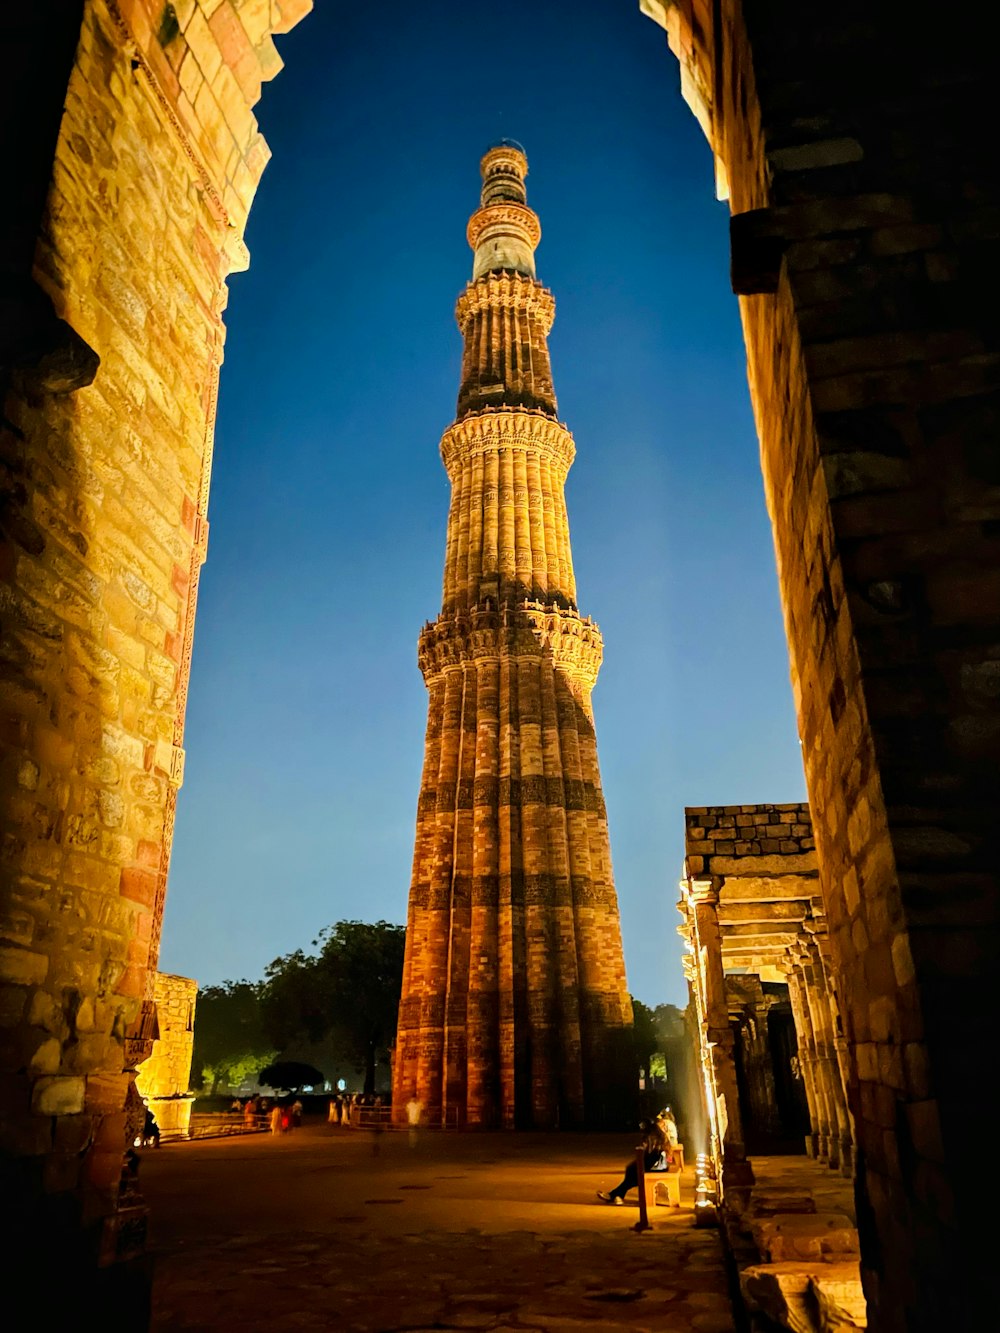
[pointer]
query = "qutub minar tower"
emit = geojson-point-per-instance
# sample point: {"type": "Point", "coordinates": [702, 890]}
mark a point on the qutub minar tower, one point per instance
{"type": "Point", "coordinates": [515, 1010]}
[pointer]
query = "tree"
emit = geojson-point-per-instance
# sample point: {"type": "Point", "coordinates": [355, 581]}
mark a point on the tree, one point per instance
{"type": "Point", "coordinates": [289, 1075]}
{"type": "Point", "coordinates": [230, 1043]}
{"type": "Point", "coordinates": [349, 991]}
{"type": "Point", "coordinates": [645, 1036]}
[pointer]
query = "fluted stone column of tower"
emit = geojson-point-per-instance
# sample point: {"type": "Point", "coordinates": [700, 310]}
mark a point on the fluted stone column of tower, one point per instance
{"type": "Point", "coordinates": [515, 1010]}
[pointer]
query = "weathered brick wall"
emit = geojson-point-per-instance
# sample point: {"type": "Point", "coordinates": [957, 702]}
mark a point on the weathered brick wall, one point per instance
{"type": "Point", "coordinates": [853, 145]}
{"type": "Point", "coordinates": [163, 1080]}
{"type": "Point", "coordinates": [158, 158]}
{"type": "Point", "coordinates": [719, 839]}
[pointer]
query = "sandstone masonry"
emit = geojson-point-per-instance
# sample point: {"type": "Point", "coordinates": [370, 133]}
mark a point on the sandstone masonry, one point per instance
{"type": "Point", "coordinates": [105, 493]}
{"type": "Point", "coordinates": [515, 1010]}
{"type": "Point", "coordinates": [164, 1078]}
{"type": "Point", "coordinates": [852, 144]}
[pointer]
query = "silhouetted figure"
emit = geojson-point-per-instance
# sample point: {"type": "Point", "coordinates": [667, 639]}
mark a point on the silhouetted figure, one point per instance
{"type": "Point", "coordinates": [656, 1157]}
{"type": "Point", "coordinates": [150, 1130]}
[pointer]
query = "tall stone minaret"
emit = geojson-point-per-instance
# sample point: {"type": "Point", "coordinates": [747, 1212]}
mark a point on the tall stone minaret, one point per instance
{"type": "Point", "coordinates": [515, 1010]}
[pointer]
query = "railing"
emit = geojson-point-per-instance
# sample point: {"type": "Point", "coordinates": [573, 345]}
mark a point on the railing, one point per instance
{"type": "Point", "coordinates": [370, 1117]}
{"type": "Point", "coordinates": [222, 1124]}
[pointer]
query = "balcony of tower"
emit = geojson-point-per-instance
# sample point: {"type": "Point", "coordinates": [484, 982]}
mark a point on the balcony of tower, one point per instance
{"type": "Point", "coordinates": [529, 629]}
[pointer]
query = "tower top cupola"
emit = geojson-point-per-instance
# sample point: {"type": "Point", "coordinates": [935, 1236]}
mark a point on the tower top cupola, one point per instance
{"type": "Point", "coordinates": [503, 232]}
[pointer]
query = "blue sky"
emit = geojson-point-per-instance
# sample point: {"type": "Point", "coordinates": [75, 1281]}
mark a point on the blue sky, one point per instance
{"type": "Point", "coordinates": [307, 712]}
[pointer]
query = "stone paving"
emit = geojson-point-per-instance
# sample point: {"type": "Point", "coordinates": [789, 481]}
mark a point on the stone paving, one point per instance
{"type": "Point", "coordinates": [344, 1229]}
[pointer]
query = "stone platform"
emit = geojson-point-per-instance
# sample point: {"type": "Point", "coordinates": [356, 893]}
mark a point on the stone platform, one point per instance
{"type": "Point", "coordinates": [328, 1227]}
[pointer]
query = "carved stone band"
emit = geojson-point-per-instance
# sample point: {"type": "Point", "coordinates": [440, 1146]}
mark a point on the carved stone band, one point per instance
{"type": "Point", "coordinates": [509, 291]}
{"type": "Point", "coordinates": [495, 429]}
{"type": "Point", "coordinates": [571, 641]}
{"type": "Point", "coordinates": [507, 217]}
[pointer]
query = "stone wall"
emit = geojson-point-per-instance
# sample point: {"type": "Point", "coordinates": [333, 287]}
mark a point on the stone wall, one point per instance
{"type": "Point", "coordinates": [163, 1080]}
{"type": "Point", "coordinates": [853, 147]}
{"type": "Point", "coordinates": [720, 839]}
{"type": "Point", "coordinates": [104, 532]}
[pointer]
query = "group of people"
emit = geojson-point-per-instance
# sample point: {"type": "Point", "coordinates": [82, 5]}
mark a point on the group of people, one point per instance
{"type": "Point", "coordinates": [658, 1143]}
{"type": "Point", "coordinates": [280, 1117]}
{"type": "Point", "coordinates": [342, 1104]}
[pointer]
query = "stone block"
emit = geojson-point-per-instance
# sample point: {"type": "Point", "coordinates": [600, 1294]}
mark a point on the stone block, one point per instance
{"type": "Point", "coordinates": [840, 1298]}
{"type": "Point", "coordinates": [816, 1236]}
{"type": "Point", "coordinates": [807, 1297]}
{"type": "Point", "coordinates": [772, 1202]}
{"type": "Point", "coordinates": [58, 1096]}
{"type": "Point", "coordinates": [781, 1293]}
{"type": "Point", "coordinates": [23, 967]}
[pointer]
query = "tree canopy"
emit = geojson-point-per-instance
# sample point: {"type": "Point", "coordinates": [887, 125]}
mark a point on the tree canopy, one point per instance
{"type": "Point", "coordinates": [348, 991]}
{"type": "Point", "coordinates": [230, 1041]}
{"type": "Point", "coordinates": [290, 1075]}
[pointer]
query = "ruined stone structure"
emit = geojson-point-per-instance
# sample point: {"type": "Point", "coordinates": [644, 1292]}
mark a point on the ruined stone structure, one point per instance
{"type": "Point", "coordinates": [144, 159]}
{"type": "Point", "coordinates": [852, 145]}
{"type": "Point", "coordinates": [773, 1106]}
{"type": "Point", "coordinates": [164, 1078]}
{"type": "Point", "coordinates": [753, 916]}
{"type": "Point", "coordinates": [852, 142]}
{"type": "Point", "coordinates": [756, 938]}
{"type": "Point", "coordinates": [515, 1010]}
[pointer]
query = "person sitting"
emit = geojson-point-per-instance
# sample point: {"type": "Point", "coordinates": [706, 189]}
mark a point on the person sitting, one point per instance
{"type": "Point", "coordinates": [666, 1117]}
{"type": "Point", "coordinates": [656, 1157]}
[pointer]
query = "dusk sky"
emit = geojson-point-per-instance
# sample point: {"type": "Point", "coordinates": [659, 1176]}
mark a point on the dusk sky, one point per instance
{"type": "Point", "coordinates": [306, 717]}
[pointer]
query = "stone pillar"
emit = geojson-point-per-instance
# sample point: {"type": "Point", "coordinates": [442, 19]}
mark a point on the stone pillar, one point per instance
{"type": "Point", "coordinates": [838, 1046]}
{"type": "Point", "coordinates": [163, 1080]}
{"type": "Point", "coordinates": [736, 1175]}
{"type": "Point", "coordinates": [826, 1081]}
{"type": "Point", "coordinates": [817, 993]}
{"type": "Point", "coordinates": [807, 1058]}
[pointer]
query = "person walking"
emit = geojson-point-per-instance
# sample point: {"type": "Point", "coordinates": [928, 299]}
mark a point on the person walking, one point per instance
{"type": "Point", "coordinates": [656, 1157]}
{"type": "Point", "coordinates": [276, 1118]}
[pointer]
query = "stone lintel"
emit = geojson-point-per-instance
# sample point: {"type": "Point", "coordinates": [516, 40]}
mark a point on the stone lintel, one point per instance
{"type": "Point", "coordinates": [764, 913]}
{"type": "Point", "coordinates": [767, 888]}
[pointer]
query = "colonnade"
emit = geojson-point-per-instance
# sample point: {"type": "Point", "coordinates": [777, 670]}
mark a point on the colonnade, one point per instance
{"type": "Point", "coordinates": [797, 953]}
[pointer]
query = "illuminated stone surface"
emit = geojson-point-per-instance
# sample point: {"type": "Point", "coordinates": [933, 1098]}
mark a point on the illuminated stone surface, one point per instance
{"type": "Point", "coordinates": [515, 1010]}
{"type": "Point", "coordinates": [163, 1080]}
{"type": "Point", "coordinates": [105, 494]}
{"type": "Point", "coordinates": [853, 146]}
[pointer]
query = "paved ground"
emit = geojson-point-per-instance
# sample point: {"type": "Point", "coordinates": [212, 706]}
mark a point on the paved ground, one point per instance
{"type": "Point", "coordinates": [342, 1229]}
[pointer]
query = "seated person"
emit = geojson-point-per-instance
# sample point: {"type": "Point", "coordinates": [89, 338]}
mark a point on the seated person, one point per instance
{"type": "Point", "coordinates": [656, 1157]}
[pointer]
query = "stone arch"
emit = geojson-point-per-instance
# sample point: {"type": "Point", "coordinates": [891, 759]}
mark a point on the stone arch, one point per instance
{"type": "Point", "coordinates": [863, 219]}
{"type": "Point", "coordinates": [142, 133]}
